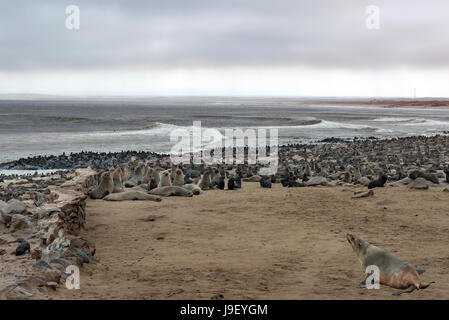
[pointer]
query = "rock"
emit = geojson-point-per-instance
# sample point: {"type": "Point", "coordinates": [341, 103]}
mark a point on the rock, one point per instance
{"type": "Point", "coordinates": [52, 285]}
{"type": "Point", "coordinates": [419, 184]}
{"type": "Point", "coordinates": [385, 202]}
{"type": "Point", "coordinates": [43, 213]}
{"type": "Point", "coordinates": [15, 207]}
{"type": "Point", "coordinates": [36, 254]}
{"type": "Point", "coordinates": [316, 181]}
{"type": "Point", "coordinates": [401, 182]}
{"type": "Point", "coordinates": [20, 222]}
{"type": "Point", "coordinates": [414, 174]}
{"type": "Point", "coordinates": [363, 194]}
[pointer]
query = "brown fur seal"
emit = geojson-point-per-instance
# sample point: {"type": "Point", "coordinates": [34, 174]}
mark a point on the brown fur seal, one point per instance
{"type": "Point", "coordinates": [117, 178]}
{"type": "Point", "coordinates": [192, 187]}
{"type": "Point", "coordinates": [136, 178]}
{"type": "Point", "coordinates": [156, 177]}
{"type": "Point", "coordinates": [179, 178]}
{"type": "Point", "coordinates": [105, 187]}
{"type": "Point", "coordinates": [131, 195]}
{"type": "Point", "coordinates": [393, 272]}
{"type": "Point", "coordinates": [205, 183]}
{"type": "Point", "coordinates": [165, 179]}
{"type": "Point", "coordinates": [171, 191]}
{"type": "Point", "coordinates": [148, 175]}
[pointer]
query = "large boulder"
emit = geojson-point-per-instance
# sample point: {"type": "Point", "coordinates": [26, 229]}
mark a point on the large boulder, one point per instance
{"type": "Point", "coordinates": [13, 206]}
{"type": "Point", "coordinates": [419, 184]}
{"type": "Point", "coordinates": [20, 222]}
{"type": "Point", "coordinates": [414, 174]}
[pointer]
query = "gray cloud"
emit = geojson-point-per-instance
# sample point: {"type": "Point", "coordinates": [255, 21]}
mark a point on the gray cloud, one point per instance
{"type": "Point", "coordinates": [203, 33]}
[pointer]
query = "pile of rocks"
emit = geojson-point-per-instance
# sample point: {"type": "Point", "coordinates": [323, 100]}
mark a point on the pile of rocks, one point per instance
{"type": "Point", "coordinates": [43, 241]}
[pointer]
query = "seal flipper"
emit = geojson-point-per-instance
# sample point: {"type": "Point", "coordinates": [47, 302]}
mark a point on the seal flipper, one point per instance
{"type": "Point", "coordinates": [426, 285]}
{"type": "Point", "coordinates": [420, 271]}
{"type": "Point", "coordinates": [408, 290]}
{"type": "Point", "coordinates": [362, 284]}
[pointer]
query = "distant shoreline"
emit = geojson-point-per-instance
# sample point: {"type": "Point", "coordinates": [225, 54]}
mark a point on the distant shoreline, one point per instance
{"type": "Point", "coordinates": [399, 102]}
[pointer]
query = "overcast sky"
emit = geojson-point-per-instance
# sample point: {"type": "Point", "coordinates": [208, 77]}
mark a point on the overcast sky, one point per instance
{"type": "Point", "coordinates": [225, 47]}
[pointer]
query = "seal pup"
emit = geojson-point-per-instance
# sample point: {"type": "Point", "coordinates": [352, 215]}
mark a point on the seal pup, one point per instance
{"type": "Point", "coordinates": [265, 182]}
{"type": "Point", "coordinates": [117, 178]}
{"type": "Point", "coordinates": [231, 183]}
{"type": "Point", "coordinates": [23, 247]}
{"type": "Point", "coordinates": [446, 172]}
{"type": "Point", "coordinates": [220, 183]}
{"type": "Point", "coordinates": [393, 272]}
{"type": "Point", "coordinates": [379, 183]}
{"type": "Point", "coordinates": [131, 195]}
{"type": "Point", "coordinates": [105, 187]}
{"type": "Point", "coordinates": [165, 179]}
{"type": "Point", "coordinates": [168, 191]}
{"type": "Point", "coordinates": [179, 178]}
{"type": "Point", "coordinates": [347, 178]}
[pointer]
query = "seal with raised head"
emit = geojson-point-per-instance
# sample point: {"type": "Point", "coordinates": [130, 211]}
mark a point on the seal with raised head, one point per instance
{"type": "Point", "coordinates": [178, 179]}
{"type": "Point", "coordinates": [379, 183]}
{"type": "Point", "coordinates": [105, 187]}
{"type": "Point", "coordinates": [165, 179]}
{"type": "Point", "coordinates": [393, 272]}
{"type": "Point", "coordinates": [205, 183]}
{"type": "Point", "coordinates": [117, 178]}
{"type": "Point", "coordinates": [136, 178]}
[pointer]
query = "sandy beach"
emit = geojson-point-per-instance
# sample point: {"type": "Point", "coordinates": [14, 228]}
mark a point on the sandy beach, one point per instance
{"type": "Point", "coordinates": [254, 243]}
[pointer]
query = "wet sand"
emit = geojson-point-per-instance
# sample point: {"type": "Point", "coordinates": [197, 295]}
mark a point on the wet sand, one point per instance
{"type": "Point", "coordinates": [254, 243]}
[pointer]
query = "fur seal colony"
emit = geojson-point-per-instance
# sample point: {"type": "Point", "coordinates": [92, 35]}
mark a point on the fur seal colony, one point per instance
{"type": "Point", "coordinates": [393, 272]}
{"type": "Point", "coordinates": [368, 163]}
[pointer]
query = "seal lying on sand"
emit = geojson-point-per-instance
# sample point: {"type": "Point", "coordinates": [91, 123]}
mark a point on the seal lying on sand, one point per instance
{"type": "Point", "coordinates": [131, 195]}
{"type": "Point", "coordinates": [105, 187]}
{"type": "Point", "coordinates": [171, 191]}
{"type": "Point", "coordinates": [393, 272]}
{"type": "Point", "coordinates": [192, 187]}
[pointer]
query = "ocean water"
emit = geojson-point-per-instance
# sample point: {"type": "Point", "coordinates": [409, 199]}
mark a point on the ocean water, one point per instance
{"type": "Point", "coordinates": [29, 128]}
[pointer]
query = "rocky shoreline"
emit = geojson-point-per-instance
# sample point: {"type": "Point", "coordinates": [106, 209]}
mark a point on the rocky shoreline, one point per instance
{"type": "Point", "coordinates": [38, 241]}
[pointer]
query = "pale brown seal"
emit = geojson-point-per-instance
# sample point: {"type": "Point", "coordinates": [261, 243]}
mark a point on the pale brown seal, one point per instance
{"type": "Point", "coordinates": [179, 178]}
{"type": "Point", "coordinates": [105, 187]}
{"type": "Point", "coordinates": [117, 178]}
{"type": "Point", "coordinates": [165, 179]}
{"type": "Point", "coordinates": [393, 272]}
{"type": "Point", "coordinates": [131, 195]}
